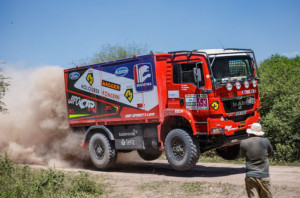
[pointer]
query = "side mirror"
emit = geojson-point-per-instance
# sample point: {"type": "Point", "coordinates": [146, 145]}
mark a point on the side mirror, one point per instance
{"type": "Point", "coordinates": [197, 74]}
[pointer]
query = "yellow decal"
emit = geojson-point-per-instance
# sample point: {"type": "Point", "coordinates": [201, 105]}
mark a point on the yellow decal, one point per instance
{"type": "Point", "coordinates": [77, 115]}
{"type": "Point", "coordinates": [117, 108]}
{"type": "Point", "coordinates": [90, 78]}
{"type": "Point", "coordinates": [215, 105]}
{"type": "Point", "coordinates": [129, 94]}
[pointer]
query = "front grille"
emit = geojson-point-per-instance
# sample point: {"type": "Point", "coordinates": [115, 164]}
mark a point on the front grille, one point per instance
{"type": "Point", "coordinates": [239, 118]}
{"type": "Point", "coordinates": [238, 103]}
{"type": "Point", "coordinates": [238, 133]}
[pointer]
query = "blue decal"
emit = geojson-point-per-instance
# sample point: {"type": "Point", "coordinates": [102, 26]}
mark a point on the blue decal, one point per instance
{"type": "Point", "coordinates": [122, 71]}
{"type": "Point", "coordinates": [143, 77]}
{"type": "Point", "coordinates": [74, 75]}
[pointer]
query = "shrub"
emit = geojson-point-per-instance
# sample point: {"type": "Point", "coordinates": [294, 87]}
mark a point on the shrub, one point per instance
{"type": "Point", "coordinates": [280, 111]}
{"type": "Point", "coordinates": [21, 181]}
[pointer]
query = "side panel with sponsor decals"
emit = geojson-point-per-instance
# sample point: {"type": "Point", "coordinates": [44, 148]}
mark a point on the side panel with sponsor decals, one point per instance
{"type": "Point", "coordinates": [114, 90]}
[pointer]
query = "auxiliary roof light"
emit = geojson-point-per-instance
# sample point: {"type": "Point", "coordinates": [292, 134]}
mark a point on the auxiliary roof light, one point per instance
{"type": "Point", "coordinates": [254, 83]}
{"type": "Point", "coordinates": [229, 86]}
{"type": "Point", "coordinates": [246, 84]}
{"type": "Point", "coordinates": [238, 85]}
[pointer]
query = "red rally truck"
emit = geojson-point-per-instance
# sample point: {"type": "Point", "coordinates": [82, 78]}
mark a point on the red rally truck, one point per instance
{"type": "Point", "coordinates": [182, 102]}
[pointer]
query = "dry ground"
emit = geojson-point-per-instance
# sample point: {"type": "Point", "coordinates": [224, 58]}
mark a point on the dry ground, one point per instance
{"type": "Point", "coordinates": [133, 177]}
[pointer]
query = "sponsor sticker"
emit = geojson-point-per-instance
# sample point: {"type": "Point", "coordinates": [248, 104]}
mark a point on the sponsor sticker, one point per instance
{"type": "Point", "coordinates": [143, 77]}
{"type": "Point", "coordinates": [139, 115]}
{"type": "Point", "coordinates": [250, 91]}
{"type": "Point", "coordinates": [238, 113]}
{"type": "Point", "coordinates": [229, 94]}
{"type": "Point", "coordinates": [110, 95]}
{"type": "Point", "coordinates": [184, 87]}
{"type": "Point", "coordinates": [82, 103]}
{"type": "Point", "coordinates": [215, 105]}
{"type": "Point", "coordinates": [90, 78]}
{"type": "Point", "coordinates": [89, 89]}
{"type": "Point", "coordinates": [128, 142]}
{"type": "Point", "coordinates": [173, 94]}
{"type": "Point", "coordinates": [74, 75]}
{"type": "Point", "coordinates": [190, 101]}
{"type": "Point", "coordinates": [121, 71]}
{"type": "Point", "coordinates": [202, 102]}
{"type": "Point", "coordinates": [129, 94]}
{"type": "Point", "coordinates": [229, 128]}
{"type": "Point", "coordinates": [196, 101]}
{"type": "Point", "coordinates": [111, 85]}
{"type": "Point", "coordinates": [173, 112]}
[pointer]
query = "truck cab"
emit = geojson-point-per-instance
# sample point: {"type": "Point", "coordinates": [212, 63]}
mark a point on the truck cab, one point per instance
{"type": "Point", "coordinates": [214, 95]}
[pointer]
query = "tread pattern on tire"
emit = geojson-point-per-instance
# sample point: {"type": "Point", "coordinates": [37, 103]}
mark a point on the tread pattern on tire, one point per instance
{"type": "Point", "coordinates": [149, 154]}
{"type": "Point", "coordinates": [112, 153]}
{"type": "Point", "coordinates": [230, 153]}
{"type": "Point", "coordinates": [194, 150]}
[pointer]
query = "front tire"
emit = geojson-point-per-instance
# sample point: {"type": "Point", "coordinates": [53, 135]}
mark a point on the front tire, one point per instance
{"type": "Point", "coordinates": [149, 154]}
{"type": "Point", "coordinates": [182, 150]}
{"type": "Point", "coordinates": [229, 153]}
{"type": "Point", "coordinates": [102, 151]}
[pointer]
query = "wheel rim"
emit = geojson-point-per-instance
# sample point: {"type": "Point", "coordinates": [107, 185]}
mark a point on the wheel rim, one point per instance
{"type": "Point", "coordinates": [99, 150]}
{"type": "Point", "coordinates": [178, 149]}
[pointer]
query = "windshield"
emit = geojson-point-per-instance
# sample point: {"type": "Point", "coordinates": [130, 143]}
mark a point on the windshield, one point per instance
{"type": "Point", "coordinates": [232, 68]}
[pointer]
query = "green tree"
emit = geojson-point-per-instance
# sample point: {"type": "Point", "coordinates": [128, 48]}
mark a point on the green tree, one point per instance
{"type": "Point", "coordinates": [3, 89]}
{"type": "Point", "coordinates": [280, 100]}
{"type": "Point", "coordinates": [110, 52]}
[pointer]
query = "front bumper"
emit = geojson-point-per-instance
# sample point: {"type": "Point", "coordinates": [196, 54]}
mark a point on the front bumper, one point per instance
{"type": "Point", "coordinates": [229, 127]}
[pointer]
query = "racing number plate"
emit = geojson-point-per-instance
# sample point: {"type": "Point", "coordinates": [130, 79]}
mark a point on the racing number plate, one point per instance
{"type": "Point", "coordinates": [202, 102]}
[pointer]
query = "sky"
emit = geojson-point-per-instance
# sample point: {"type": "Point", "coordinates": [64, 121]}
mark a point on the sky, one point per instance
{"type": "Point", "coordinates": [61, 32]}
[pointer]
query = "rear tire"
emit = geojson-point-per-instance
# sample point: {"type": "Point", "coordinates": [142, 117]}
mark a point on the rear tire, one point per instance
{"type": "Point", "coordinates": [182, 150]}
{"type": "Point", "coordinates": [102, 151]}
{"type": "Point", "coordinates": [229, 153]}
{"type": "Point", "coordinates": [149, 154]}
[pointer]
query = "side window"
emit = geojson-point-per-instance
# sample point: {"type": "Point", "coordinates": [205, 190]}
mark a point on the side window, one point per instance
{"type": "Point", "coordinates": [183, 73]}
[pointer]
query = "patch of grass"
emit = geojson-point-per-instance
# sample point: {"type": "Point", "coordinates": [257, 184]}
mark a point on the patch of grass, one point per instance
{"type": "Point", "coordinates": [153, 186]}
{"type": "Point", "coordinates": [206, 188]}
{"type": "Point", "coordinates": [21, 181]}
{"type": "Point", "coordinates": [193, 187]}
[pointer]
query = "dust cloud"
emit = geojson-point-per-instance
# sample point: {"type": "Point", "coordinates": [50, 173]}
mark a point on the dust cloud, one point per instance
{"type": "Point", "coordinates": [35, 130]}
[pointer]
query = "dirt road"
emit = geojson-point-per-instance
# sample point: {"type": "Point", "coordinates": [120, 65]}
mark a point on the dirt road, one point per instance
{"type": "Point", "coordinates": [157, 178]}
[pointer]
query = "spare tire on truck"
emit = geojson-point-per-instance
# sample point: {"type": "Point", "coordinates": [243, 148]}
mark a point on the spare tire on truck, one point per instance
{"type": "Point", "coordinates": [102, 151]}
{"type": "Point", "coordinates": [182, 150]}
{"type": "Point", "coordinates": [149, 154]}
{"type": "Point", "coordinates": [230, 152]}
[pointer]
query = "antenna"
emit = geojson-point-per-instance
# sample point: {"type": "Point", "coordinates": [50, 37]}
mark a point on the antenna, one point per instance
{"type": "Point", "coordinates": [220, 44]}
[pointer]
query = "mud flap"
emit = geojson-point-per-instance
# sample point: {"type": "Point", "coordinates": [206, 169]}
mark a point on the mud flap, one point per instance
{"type": "Point", "coordinates": [128, 138]}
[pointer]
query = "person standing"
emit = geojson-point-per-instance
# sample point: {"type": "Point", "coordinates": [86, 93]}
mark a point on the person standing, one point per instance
{"type": "Point", "coordinates": [256, 149]}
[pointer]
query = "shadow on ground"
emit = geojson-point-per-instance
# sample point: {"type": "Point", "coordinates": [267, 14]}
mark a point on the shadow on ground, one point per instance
{"type": "Point", "coordinates": [158, 168]}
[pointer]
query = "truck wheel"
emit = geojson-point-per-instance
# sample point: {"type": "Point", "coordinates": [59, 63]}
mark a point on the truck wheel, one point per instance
{"type": "Point", "coordinates": [149, 154]}
{"type": "Point", "coordinates": [102, 151]}
{"type": "Point", "coordinates": [182, 150]}
{"type": "Point", "coordinates": [229, 153]}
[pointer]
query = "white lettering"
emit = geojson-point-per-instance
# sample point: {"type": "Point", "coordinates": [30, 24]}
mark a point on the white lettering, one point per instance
{"type": "Point", "coordinates": [139, 115]}
{"type": "Point", "coordinates": [82, 103]}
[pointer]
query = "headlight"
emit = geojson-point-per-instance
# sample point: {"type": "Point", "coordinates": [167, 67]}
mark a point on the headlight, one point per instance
{"type": "Point", "coordinates": [229, 86]}
{"type": "Point", "coordinates": [238, 85]}
{"type": "Point", "coordinates": [254, 83]}
{"type": "Point", "coordinates": [246, 84]}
